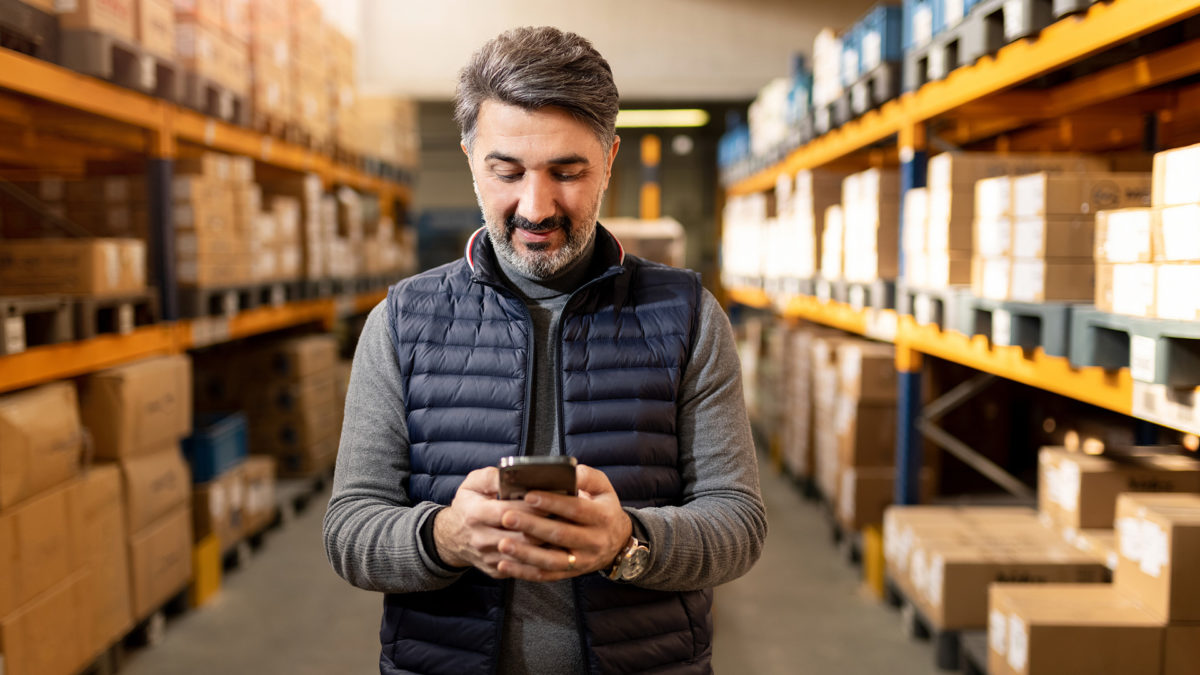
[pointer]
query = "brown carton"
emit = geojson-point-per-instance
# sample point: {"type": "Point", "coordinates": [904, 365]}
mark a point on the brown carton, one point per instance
{"type": "Point", "coordinates": [42, 543]}
{"type": "Point", "coordinates": [73, 266]}
{"type": "Point", "coordinates": [307, 460]}
{"type": "Point", "coordinates": [108, 557]}
{"type": "Point", "coordinates": [139, 408]}
{"type": "Point", "coordinates": [866, 492]}
{"type": "Point", "coordinates": [1053, 279]}
{"type": "Point", "coordinates": [866, 433]}
{"type": "Point", "coordinates": [198, 46]}
{"type": "Point", "coordinates": [160, 561]}
{"type": "Point", "coordinates": [218, 507]}
{"type": "Point", "coordinates": [155, 484]}
{"type": "Point", "coordinates": [41, 441]}
{"type": "Point", "coordinates": [51, 635]}
{"type": "Point", "coordinates": [1079, 491]}
{"type": "Point", "coordinates": [106, 190]}
{"type": "Point", "coordinates": [1070, 628]}
{"type": "Point", "coordinates": [1074, 194]}
{"type": "Point", "coordinates": [300, 358]}
{"type": "Point", "coordinates": [1053, 237]}
{"type": "Point", "coordinates": [111, 17]}
{"type": "Point", "coordinates": [211, 12]}
{"type": "Point", "coordinates": [1158, 541]}
{"type": "Point", "coordinates": [1125, 236]}
{"type": "Point", "coordinates": [258, 471]}
{"type": "Point", "coordinates": [156, 26]}
{"type": "Point", "coordinates": [867, 371]}
{"type": "Point", "coordinates": [1181, 652]}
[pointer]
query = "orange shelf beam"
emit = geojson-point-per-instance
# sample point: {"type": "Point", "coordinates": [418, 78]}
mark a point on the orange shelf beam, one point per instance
{"type": "Point", "coordinates": [71, 359]}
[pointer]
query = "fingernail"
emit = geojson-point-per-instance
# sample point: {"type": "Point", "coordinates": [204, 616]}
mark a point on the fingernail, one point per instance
{"type": "Point", "coordinates": [533, 500]}
{"type": "Point", "coordinates": [510, 520]}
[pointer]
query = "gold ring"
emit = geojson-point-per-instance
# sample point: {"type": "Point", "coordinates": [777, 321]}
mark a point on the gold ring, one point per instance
{"type": "Point", "coordinates": [570, 562]}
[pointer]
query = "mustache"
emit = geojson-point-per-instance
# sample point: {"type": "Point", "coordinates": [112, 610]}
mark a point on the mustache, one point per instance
{"type": "Point", "coordinates": [516, 221]}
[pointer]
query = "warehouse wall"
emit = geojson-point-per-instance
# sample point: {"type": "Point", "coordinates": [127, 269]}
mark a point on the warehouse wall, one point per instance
{"type": "Point", "coordinates": [669, 49]}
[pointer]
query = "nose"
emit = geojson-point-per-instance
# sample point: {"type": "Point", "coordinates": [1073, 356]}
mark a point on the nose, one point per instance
{"type": "Point", "coordinates": [537, 198]}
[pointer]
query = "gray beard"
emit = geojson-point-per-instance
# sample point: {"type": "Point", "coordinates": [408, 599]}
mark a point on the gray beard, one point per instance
{"type": "Point", "coordinates": [540, 264]}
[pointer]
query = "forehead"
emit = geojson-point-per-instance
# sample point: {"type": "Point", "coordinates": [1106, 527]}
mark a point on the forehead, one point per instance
{"type": "Point", "coordinates": [530, 134]}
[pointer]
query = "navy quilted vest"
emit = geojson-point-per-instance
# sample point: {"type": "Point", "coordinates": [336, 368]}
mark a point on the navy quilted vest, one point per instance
{"type": "Point", "coordinates": [464, 345]}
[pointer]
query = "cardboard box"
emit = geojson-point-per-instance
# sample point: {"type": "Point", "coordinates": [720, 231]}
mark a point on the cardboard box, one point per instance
{"type": "Point", "coordinates": [1079, 491]}
{"type": "Point", "coordinates": [1174, 296]}
{"type": "Point", "coordinates": [41, 441]}
{"type": "Point", "coordinates": [52, 634]}
{"type": "Point", "coordinates": [218, 507]}
{"type": "Point", "coordinates": [73, 266]}
{"type": "Point", "coordinates": [1070, 628]}
{"type": "Point", "coordinates": [1181, 650]}
{"type": "Point", "coordinates": [866, 433]}
{"type": "Point", "coordinates": [1054, 237]}
{"type": "Point", "coordinates": [867, 371]}
{"type": "Point", "coordinates": [993, 236]}
{"type": "Point", "coordinates": [1126, 236]}
{"type": "Point", "coordinates": [258, 472]}
{"type": "Point", "coordinates": [1176, 237]}
{"type": "Point", "coordinates": [42, 540]}
{"type": "Point", "coordinates": [107, 556]}
{"type": "Point", "coordinates": [1127, 288]}
{"type": "Point", "coordinates": [991, 277]}
{"type": "Point", "coordinates": [956, 590]}
{"type": "Point", "coordinates": [111, 17]}
{"type": "Point", "coordinates": [160, 561]}
{"type": "Point", "coordinates": [139, 408]}
{"type": "Point", "coordinates": [867, 492]}
{"type": "Point", "coordinates": [155, 485]}
{"type": "Point", "coordinates": [211, 12]}
{"type": "Point", "coordinates": [237, 18]}
{"type": "Point", "coordinates": [1101, 543]}
{"type": "Point", "coordinates": [953, 169]}
{"type": "Point", "coordinates": [234, 56]}
{"type": "Point", "coordinates": [198, 47]}
{"type": "Point", "coordinates": [1158, 541]}
{"type": "Point", "coordinates": [1073, 194]}
{"type": "Point", "coordinates": [300, 358]}
{"type": "Point", "coordinates": [1174, 176]}
{"type": "Point", "coordinates": [1052, 279]}
{"type": "Point", "coordinates": [104, 190]}
{"type": "Point", "coordinates": [945, 270]}
{"type": "Point", "coordinates": [155, 26]}
{"type": "Point", "coordinates": [993, 198]}
{"type": "Point", "coordinates": [299, 462]}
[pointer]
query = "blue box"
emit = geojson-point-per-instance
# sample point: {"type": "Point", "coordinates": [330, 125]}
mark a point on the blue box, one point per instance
{"type": "Point", "coordinates": [217, 444]}
{"type": "Point", "coordinates": [923, 21]}
{"type": "Point", "coordinates": [954, 11]}
{"type": "Point", "coordinates": [734, 146]}
{"type": "Point", "coordinates": [879, 36]}
{"type": "Point", "coordinates": [850, 67]}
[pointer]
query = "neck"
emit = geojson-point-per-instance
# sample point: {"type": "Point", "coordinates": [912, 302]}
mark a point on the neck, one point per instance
{"type": "Point", "coordinates": [564, 281]}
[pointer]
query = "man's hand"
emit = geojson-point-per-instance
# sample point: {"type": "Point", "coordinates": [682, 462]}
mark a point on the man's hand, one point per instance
{"type": "Point", "coordinates": [591, 527]}
{"type": "Point", "coordinates": [468, 532]}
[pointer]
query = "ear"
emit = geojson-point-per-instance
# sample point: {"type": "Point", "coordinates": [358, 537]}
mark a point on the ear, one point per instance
{"type": "Point", "coordinates": [612, 156]}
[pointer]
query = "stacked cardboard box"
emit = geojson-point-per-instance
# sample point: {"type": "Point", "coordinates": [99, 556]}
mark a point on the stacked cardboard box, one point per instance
{"type": "Point", "coordinates": [742, 241]}
{"type": "Point", "coordinates": [944, 558]}
{"type": "Point", "coordinates": [258, 476]}
{"type": "Point", "coordinates": [212, 198]}
{"type": "Point", "coordinates": [951, 204]}
{"type": "Point", "coordinates": [200, 38]}
{"type": "Point", "coordinates": [318, 222]}
{"type": "Point", "coordinates": [1144, 256]}
{"type": "Point", "coordinates": [1078, 492]}
{"type": "Point", "coordinates": [1146, 621]}
{"type": "Point", "coordinates": [343, 88]}
{"type": "Point", "coordinates": [871, 210]}
{"type": "Point", "coordinates": [110, 17]}
{"type": "Point", "coordinates": [270, 51]}
{"type": "Point", "coordinates": [154, 27]}
{"type": "Point", "coordinates": [49, 587]}
{"type": "Point", "coordinates": [309, 83]}
{"type": "Point", "coordinates": [797, 434]}
{"type": "Point", "coordinates": [832, 243]}
{"type": "Point", "coordinates": [801, 202]}
{"type": "Point", "coordinates": [73, 266]}
{"type": "Point", "coordinates": [219, 507]}
{"type": "Point", "coordinates": [388, 129]}
{"type": "Point", "coordinates": [915, 240]}
{"type": "Point", "coordinates": [137, 414]}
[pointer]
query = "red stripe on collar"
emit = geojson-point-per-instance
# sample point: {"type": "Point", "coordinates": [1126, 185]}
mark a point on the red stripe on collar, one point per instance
{"type": "Point", "coordinates": [470, 245]}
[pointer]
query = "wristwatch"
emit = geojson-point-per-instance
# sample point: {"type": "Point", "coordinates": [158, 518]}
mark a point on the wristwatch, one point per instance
{"type": "Point", "coordinates": [630, 563]}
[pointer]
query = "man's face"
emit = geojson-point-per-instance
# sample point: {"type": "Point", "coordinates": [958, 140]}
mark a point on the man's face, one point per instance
{"type": "Point", "coordinates": [539, 176]}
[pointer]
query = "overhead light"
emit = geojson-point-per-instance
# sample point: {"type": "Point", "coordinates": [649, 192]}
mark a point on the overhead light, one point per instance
{"type": "Point", "coordinates": [659, 119]}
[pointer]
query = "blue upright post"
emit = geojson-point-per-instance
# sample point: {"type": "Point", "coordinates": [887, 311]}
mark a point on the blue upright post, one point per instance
{"type": "Point", "coordinates": [161, 244]}
{"type": "Point", "coordinates": [908, 361]}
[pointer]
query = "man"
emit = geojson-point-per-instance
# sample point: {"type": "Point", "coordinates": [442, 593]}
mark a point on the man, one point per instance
{"type": "Point", "coordinates": [545, 339]}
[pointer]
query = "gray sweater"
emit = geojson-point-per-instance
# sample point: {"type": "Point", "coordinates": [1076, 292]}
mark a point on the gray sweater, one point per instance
{"type": "Point", "coordinates": [372, 530]}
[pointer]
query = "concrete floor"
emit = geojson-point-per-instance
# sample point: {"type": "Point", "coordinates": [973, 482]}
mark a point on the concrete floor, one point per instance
{"type": "Point", "coordinates": [800, 610]}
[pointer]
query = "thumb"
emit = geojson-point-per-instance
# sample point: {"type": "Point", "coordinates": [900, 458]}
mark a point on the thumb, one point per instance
{"type": "Point", "coordinates": [592, 481]}
{"type": "Point", "coordinates": [484, 481]}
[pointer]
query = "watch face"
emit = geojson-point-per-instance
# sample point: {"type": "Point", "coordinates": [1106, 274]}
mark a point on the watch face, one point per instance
{"type": "Point", "coordinates": [635, 563]}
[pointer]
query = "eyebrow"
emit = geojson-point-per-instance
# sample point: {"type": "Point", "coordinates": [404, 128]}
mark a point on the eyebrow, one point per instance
{"type": "Point", "coordinates": [557, 161]}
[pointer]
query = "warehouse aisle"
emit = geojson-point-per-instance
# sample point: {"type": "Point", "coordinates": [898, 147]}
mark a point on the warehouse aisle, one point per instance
{"type": "Point", "coordinates": [798, 611]}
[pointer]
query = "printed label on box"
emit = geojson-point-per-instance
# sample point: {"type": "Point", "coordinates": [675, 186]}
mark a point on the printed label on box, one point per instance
{"type": "Point", "coordinates": [1143, 356]}
{"type": "Point", "coordinates": [998, 631]}
{"type": "Point", "coordinates": [1155, 551]}
{"type": "Point", "coordinates": [1018, 643]}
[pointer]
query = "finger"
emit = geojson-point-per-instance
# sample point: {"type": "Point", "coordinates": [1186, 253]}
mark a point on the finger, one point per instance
{"type": "Point", "coordinates": [592, 481]}
{"type": "Point", "coordinates": [540, 564]}
{"type": "Point", "coordinates": [484, 481]}
{"type": "Point", "coordinates": [511, 569]}
{"type": "Point", "coordinates": [556, 532]}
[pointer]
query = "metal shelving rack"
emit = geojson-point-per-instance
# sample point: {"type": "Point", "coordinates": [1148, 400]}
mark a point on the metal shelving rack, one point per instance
{"type": "Point", "coordinates": [97, 113]}
{"type": "Point", "coordinates": [977, 103]}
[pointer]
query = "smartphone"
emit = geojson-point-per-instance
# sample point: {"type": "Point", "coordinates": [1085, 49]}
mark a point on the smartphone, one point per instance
{"type": "Point", "coordinates": [519, 475]}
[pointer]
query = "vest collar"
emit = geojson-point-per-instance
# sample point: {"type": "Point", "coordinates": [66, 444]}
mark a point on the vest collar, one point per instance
{"type": "Point", "coordinates": [608, 257]}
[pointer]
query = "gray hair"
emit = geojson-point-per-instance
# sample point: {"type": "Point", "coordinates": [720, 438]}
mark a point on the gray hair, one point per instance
{"type": "Point", "coordinates": [534, 68]}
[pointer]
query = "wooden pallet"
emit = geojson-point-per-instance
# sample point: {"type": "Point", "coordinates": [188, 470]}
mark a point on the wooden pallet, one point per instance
{"type": "Point", "coordinates": [947, 644]}
{"type": "Point", "coordinates": [1157, 351]}
{"type": "Point", "coordinates": [213, 99]}
{"type": "Point", "coordinates": [32, 321]}
{"type": "Point", "coordinates": [269, 125]}
{"type": "Point", "coordinates": [29, 30]}
{"type": "Point", "coordinates": [121, 62]}
{"type": "Point", "coordinates": [117, 314]}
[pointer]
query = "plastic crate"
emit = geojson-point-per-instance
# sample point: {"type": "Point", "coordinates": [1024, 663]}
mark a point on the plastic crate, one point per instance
{"type": "Point", "coordinates": [851, 65]}
{"type": "Point", "coordinates": [216, 445]}
{"type": "Point", "coordinates": [922, 21]}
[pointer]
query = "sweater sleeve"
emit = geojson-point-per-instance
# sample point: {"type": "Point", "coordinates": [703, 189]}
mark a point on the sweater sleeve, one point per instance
{"type": "Point", "coordinates": [372, 531]}
{"type": "Point", "coordinates": [717, 533]}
